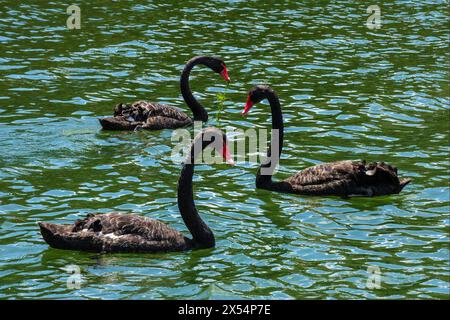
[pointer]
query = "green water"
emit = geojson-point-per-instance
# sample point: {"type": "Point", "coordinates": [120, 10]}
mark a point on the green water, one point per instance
{"type": "Point", "coordinates": [347, 92]}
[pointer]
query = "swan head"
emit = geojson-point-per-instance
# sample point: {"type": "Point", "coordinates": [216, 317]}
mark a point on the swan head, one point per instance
{"type": "Point", "coordinates": [256, 95]}
{"type": "Point", "coordinates": [217, 140]}
{"type": "Point", "coordinates": [217, 65]}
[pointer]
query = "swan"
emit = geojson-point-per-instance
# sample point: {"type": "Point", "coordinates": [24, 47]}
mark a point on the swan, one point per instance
{"type": "Point", "coordinates": [341, 178]}
{"type": "Point", "coordinates": [116, 232]}
{"type": "Point", "coordinates": [155, 116]}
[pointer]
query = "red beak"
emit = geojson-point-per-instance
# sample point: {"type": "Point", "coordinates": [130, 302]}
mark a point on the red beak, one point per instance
{"type": "Point", "coordinates": [226, 155]}
{"type": "Point", "coordinates": [248, 106]}
{"type": "Point", "coordinates": [224, 74]}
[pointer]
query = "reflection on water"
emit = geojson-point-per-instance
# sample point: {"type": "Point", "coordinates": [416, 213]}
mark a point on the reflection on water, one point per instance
{"type": "Point", "coordinates": [347, 92]}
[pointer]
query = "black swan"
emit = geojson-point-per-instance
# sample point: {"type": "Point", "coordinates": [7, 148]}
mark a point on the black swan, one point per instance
{"type": "Point", "coordinates": [115, 232]}
{"type": "Point", "coordinates": [156, 116]}
{"type": "Point", "coordinates": [341, 178]}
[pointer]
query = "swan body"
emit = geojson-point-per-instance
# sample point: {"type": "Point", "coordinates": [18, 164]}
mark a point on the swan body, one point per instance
{"type": "Point", "coordinates": [342, 178]}
{"type": "Point", "coordinates": [145, 115]}
{"type": "Point", "coordinates": [115, 232]}
{"type": "Point", "coordinates": [155, 116]}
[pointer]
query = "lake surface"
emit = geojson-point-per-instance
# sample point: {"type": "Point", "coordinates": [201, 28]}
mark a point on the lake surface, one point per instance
{"type": "Point", "coordinates": [347, 92]}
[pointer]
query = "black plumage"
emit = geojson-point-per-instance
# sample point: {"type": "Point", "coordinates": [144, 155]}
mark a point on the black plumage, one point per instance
{"type": "Point", "coordinates": [155, 116]}
{"type": "Point", "coordinates": [116, 232]}
{"type": "Point", "coordinates": [342, 178]}
{"type": "Point", "coordinates": [145, 115]}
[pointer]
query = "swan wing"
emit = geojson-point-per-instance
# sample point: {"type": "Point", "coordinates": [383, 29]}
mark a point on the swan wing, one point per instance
{"type": "Point", "coordinates": [145, 115]}
{"type": "Point", "coordinates": [348, 178]}
{"type": "Point", "coordinates": [114, 232]}
{"type": "Point", "coordinates": [323, 173]}
{"type": "Point", "coordinates": [126, 224]}
{"type": "Point", "coordinates": [142, 110]}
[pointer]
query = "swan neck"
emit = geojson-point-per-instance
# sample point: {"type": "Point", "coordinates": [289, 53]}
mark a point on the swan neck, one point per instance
{"type": "Point", "coordinates": [202, 235]}
{"type": "Point", "coordinates": [198, 111]}
{"type": "Point", "coordinates": [266, 170]}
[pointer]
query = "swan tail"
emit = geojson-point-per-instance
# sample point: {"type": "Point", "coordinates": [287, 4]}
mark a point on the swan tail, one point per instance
{"type": "Point", "coordinates": [404, 183]}
{"type": "Point", "coordinates": [61, 236]}
{"type": "Point", "coordinates": [118, 123]}
{"type": "Point", "coordinates": [50, 232]}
